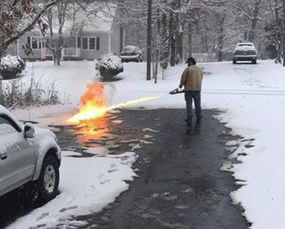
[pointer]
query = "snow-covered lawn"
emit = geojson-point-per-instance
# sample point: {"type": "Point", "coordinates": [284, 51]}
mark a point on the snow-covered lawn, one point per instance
{"type": "Point", "coordinates": [251, 96]}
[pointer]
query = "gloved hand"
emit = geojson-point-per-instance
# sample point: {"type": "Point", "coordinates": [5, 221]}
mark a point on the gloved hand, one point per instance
{"type": "Point", "coordinates": [176, 90]}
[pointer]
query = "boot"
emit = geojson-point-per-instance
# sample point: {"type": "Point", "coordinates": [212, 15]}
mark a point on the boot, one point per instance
{"type": "Point", "coordinates": [199, 119]}
{"type": "Point", "coordinates": [189, 124]}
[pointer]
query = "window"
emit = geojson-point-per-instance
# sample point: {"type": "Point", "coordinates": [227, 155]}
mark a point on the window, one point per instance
{"type": "Point", "coordinates": [97, 43]}
{"type": "Point", "coordinates": [34, 43]}
{"type": "Point", "coordinates": [7, 123]}
{"type": "Point", "coordinates": [29, 41]}
{"type": "Point", "coordinates": [91, 43]}
{"type": "Point", "coordinates": [84, 43]}
{"type": "Point", "coordinates": [78, 42]}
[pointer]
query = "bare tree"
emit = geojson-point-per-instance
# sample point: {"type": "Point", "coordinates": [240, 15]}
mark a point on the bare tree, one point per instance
{"type": "Point", "coordinates": [64, 10]}
{"type": "Point", "coordinates": [19, 17]}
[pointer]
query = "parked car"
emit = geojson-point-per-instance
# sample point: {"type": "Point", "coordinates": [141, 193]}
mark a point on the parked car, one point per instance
{"type": "Point", "coordinates": [29, 156]}
{"type": "Point", "coordinates": [131, 53]}
{"type": "Point", "coordinates": [245, 52]}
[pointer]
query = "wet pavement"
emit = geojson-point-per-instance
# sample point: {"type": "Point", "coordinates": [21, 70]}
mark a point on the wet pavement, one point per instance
{"type": "Point", "coordinates": [180, 184]}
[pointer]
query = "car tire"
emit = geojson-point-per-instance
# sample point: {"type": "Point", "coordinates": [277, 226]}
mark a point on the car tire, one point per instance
{"type": "Point", "coordinates": [49, 179]}
{"type": "Point", "coordinates": [234, 61]}
{"type": "Point", "coordinates": [253, 62]}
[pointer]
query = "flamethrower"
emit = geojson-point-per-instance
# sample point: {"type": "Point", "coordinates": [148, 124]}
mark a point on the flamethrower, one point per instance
{"type": "Point", "coordinates": [176, 91]}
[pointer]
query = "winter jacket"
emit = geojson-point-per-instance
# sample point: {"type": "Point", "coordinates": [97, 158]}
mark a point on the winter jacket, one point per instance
{"type": "Point", "coordinates": [191, 79]}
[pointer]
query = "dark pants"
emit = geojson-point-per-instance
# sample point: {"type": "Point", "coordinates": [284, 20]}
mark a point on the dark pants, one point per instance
{"type": "Point", "coordinates": [189, 97]}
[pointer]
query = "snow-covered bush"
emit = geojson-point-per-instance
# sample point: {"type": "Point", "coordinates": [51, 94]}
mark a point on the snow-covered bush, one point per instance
{"type": "Point", "coordinates": [110, 65]}
{"type": "Point", "coordinates": [11, 67]}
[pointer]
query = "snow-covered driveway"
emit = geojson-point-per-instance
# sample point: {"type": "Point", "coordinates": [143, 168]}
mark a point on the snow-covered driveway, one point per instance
{"type": "Point", "coordinates": [253, 100]}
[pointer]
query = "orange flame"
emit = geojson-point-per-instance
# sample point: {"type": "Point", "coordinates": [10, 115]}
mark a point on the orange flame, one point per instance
{"type": "Point", "coordinates": [94, 104]}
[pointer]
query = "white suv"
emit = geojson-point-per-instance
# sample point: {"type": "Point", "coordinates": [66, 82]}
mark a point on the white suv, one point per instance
{"type": "Point", "coordinates": [245, 52]}
{"type": "Point", "coordinates": [28, 155]}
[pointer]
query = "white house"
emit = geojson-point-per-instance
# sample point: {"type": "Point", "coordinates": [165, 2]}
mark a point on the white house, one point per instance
{"type": "Point", "coordinates": [94, 36]}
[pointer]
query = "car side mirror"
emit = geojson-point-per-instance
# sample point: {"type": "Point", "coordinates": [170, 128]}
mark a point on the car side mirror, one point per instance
{"type": "Point", "coordinates": [29, 131]}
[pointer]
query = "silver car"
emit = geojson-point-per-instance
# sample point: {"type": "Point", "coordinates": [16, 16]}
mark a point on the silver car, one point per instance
{"type": "Point", "coordinates": [28, 155]}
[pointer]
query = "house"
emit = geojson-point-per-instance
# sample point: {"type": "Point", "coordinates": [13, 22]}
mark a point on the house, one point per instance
{"type": "Point", "coordinates": [92, 37]}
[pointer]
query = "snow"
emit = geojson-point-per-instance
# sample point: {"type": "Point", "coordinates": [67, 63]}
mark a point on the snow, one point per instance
{"type": "Point", "coordinates": [104, 179]}
{"type": "Point", "coordinates": [251, 98]}
{"type": "Point", "coordinates": [70, 79]}
{"type": "Point", "coordinates": [245, 46]}
{"type": "Point", "coordinates": [11, 62]}
{"type": "Point", "coordinates": [11, 67]}
{"type": "Point", "coordinates": [131, 49]}
{"type": "Point", "coordinates": [111, 62]}
{"type": "Point", "coordinates": [4, 111]}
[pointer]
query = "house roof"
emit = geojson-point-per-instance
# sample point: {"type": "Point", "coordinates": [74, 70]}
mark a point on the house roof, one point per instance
{"type": "Point", "coordinates": [98, 17]}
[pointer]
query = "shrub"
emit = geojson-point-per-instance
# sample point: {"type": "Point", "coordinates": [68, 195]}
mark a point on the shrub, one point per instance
{"type": "Point", "coordinates": [36, 93]}
{"type": "Point", "coordinates": [11, 67]}
{"type": "Point", "coordinates": [110, 66]}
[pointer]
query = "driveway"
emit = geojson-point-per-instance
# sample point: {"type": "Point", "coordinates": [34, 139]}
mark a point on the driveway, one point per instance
{"type": "Point", "coordinates": [180, 184]}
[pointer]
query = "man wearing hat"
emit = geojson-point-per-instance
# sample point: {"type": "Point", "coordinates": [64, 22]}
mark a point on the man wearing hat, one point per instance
{"type": "Point", "coordinates": [191, 80]}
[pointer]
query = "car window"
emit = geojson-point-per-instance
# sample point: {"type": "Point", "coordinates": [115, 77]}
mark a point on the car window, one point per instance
{"type": "Point", "coordinates": [130, 49]}
{"type": "Point", "coordinates": [127, 49]}
{"type": "Point", "coordinates": [245, 45]}
{"type": "Point", "coordinates": [7, 125]}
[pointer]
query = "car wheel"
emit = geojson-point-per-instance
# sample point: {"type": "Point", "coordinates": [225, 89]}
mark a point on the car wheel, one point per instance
{"type": "Point", "coordinates": [234, 61]}
{"type": "Point", "coordinates": [49, 179]}
{"type": "Point", "coordinates": [253, 62]}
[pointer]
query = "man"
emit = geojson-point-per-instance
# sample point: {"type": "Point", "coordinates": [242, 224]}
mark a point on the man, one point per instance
{"type": "Point", "coordinates": [191, 80]}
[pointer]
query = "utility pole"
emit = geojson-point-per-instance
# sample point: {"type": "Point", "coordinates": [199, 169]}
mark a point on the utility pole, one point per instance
{"type": "Point", "coordinates": [149, 36]}
{"type": "Point", "coordinates": [283, 32]}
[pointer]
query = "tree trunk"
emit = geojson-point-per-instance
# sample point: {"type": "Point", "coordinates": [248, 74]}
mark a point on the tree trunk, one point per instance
{"type": "Point", "coordinates": [122, 40]}
{"type": "Point", "coordinates": [149, 40]}
{"type": "Point", "coordinates": [0, 91]}
{"type": "Point", "coordinates": [58, 57]}
{"type": "Point", "coordinates": [221, 39]}
{"type": "Point", "coordinates": [179, 46]}
{"type": "Point", "coordinates": [283, 32]}
{"type": "Point", "coordinates": [254, 21]}
{"type": "Point", "coordinates": [165, 46]}
{"type": "Point", "coordinates": [172, 40]}
{"type": "Point", "coordinates": [189, 39]}
{"type": "Point", "coordinates": [1, 54]}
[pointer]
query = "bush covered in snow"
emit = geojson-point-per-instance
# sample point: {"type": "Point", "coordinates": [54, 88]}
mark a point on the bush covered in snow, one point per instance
{"type": "Point", "coordinates": [110, 66]}
{"type": "Point", "coordinates": [11, 67]}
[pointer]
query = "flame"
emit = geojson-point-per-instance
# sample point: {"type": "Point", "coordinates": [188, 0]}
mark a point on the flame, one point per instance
{"type": "Point", "coordinates": [94, 104]}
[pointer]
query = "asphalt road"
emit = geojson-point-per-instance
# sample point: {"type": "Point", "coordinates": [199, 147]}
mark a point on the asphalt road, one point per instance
{"type": "Point", "coordinates": [180, 183]}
